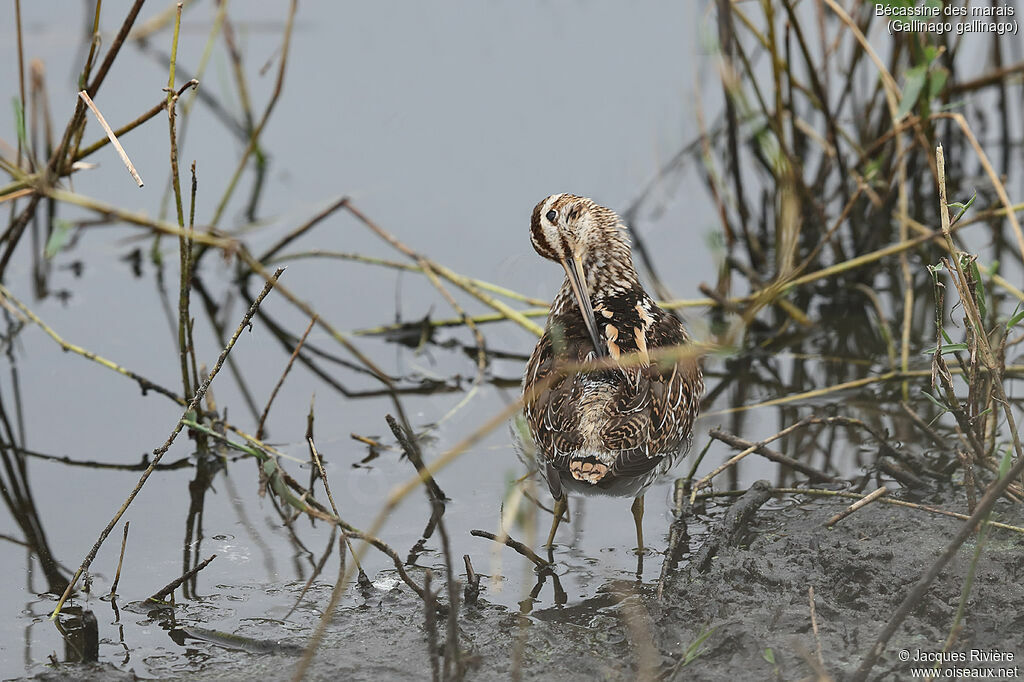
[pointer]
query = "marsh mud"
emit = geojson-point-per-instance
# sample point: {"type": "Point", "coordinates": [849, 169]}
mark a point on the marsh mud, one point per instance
{"type": "Point", "coordinates": [749, 611]}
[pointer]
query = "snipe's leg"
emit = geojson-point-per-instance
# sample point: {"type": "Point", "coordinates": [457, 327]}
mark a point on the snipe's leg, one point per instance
{"type": "Point", "coordinates": [638, 518]}
{"type": "Point", "coordinates": [561, 504]}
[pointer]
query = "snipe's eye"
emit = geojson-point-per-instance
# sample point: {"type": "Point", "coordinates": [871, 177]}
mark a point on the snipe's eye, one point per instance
{"type": "Point", "coordinates": [551, 216]}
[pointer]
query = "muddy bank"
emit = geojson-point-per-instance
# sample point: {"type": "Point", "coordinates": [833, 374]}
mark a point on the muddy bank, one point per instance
{"type": "Point", "coordinates": [756, 597]}
{"type": "Point", "coordinates": [753, 599]}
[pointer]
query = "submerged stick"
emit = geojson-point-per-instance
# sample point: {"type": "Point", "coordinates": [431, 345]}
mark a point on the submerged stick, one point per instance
{"type": "Point", "coordinates": [412, 451]}
{"type": "Point", "coordinates": [677, 531]}
{"type": "Point", "coordinates": [159, 452]}
{"type": "Point", "coordinates": [726, 531]}
{"type": "Point", "coordinates": [513, 544]}
{"type": "Point", "coordinates": [120, 561]}
{"type": "Point", "coordinates": [176, 583]}
{"type": "Point", "coordinates": [472, 591]}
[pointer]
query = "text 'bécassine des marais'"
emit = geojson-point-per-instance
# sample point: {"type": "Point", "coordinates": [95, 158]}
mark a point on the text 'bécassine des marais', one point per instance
{"type": "Point", "coordinates": [926, 11]}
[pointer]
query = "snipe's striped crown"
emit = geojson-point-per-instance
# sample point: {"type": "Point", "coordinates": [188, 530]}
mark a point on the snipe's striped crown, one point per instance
{"type": "Point", "coordinates": [564, 226]}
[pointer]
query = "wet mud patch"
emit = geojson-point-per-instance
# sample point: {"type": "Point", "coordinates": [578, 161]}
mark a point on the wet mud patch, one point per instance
{"type": "Point", "coordinates": [747, 617]}
{"type": "Point", "coordinates": [755, 597]}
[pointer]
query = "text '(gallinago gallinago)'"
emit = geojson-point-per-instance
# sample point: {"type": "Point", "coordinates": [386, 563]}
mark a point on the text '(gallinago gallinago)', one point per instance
{"type": "Point", "coordinates": [612, 431]}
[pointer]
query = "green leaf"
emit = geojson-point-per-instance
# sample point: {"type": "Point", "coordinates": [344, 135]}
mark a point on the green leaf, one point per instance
{"type": "Point", "coordinates": [871, 169]}
{"type": "Point", "coordinates": [769, 655]}
{"type": "Point", "coordinates": [961, 207]}
{"type": "Point", "coordinates": [912, 88]}
{"type": "Point", "coordinates": [1018, 315]}
{"type": "Point", "coordinates": [694, 649]}
{"type": "Point", "coordinates": [59, 238]}
{"type": "Point", "coordinates": [935, 400]}
{"type": "Point", "coordinates": [946, 350]}
{"type": "Point", "coordinates": [937, 80]}
{"type": "Point", "coordinates": [715, 241]}
{"type": "Point", "coordinates": [19, 121]}
{"type": "Point", "coordinates": [251, 451]}
{"type": "Point", "coordinates": [1004, 466]}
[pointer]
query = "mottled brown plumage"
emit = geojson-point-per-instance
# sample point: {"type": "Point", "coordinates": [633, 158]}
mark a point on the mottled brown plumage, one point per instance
{"type": "Point", "coordinates": [612, 431]}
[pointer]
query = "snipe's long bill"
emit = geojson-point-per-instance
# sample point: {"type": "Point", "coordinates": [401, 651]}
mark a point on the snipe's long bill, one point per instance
{"type": "Point", "coordinates": [616, 430]}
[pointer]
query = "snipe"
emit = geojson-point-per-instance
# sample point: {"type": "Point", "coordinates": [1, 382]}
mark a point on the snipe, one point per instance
{"type": "Point", "coordinates": [615, 430]}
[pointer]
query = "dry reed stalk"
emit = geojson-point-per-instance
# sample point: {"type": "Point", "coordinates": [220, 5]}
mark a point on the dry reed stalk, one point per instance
{"type": "Point", "coordinates": [863, 502]}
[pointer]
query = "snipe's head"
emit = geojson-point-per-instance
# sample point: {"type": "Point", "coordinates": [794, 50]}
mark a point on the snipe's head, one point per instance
{"type": "Point", "coordinates": [590, 242]}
